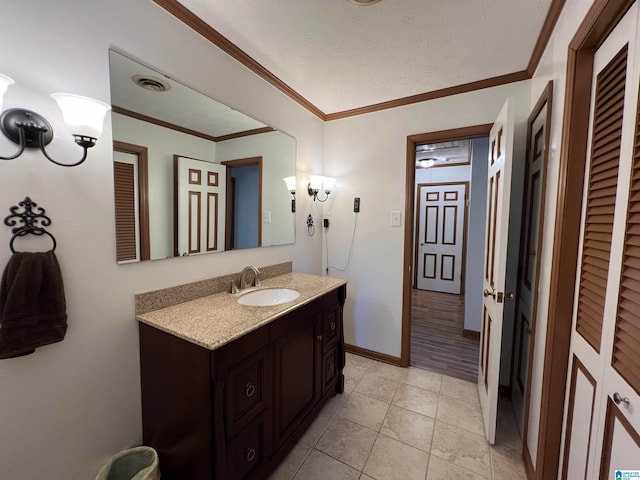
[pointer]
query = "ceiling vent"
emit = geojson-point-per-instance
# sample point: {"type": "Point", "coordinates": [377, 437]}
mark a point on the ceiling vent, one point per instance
{"type": "Point", "coordinates": [148, 82]}
{"type": "Point", "coordinates": [364, 3]}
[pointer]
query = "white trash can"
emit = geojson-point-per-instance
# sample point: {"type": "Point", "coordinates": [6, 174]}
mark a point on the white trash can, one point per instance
{"type": "Point", "coordinates": [138, 463]}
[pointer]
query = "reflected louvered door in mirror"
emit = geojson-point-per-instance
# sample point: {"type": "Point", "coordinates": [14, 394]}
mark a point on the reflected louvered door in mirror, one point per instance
{"type": "Point", "coordinates": [602, 414]}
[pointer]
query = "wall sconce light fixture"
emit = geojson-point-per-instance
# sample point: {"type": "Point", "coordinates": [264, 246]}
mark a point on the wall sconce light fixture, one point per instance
{"type": "Point", "coordinates": [84, 117]}
{"type": "Point", "coordinates": [291, 186]}
{"type": "Point", "coordinates": [317, 183]}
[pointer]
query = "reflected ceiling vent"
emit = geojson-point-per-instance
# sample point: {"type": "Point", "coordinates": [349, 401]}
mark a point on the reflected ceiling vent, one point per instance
{"type": "Point", "coordinates": [148, 82]}
{"type": "Point", "coordinates": [364, 3]}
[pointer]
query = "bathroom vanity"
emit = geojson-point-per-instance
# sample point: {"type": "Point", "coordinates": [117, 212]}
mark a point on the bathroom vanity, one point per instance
{"type": "Point", "coordinates": [228, 389]}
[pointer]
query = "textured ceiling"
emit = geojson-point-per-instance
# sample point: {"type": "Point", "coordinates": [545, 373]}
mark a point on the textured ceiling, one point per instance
{"type": "Point", "coordinates": [340, 56]}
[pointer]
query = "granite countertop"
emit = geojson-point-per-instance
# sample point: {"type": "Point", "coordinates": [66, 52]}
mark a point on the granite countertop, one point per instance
{"type": "Point", "coordinates": [216, 320]}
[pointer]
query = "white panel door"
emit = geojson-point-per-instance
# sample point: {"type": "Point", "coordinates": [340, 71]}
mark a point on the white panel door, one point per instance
{"type": "Point", "coordinates": [441, 233]}
{"type": "Point", "coordinates": [497, 232]}
{"type": "Point", "coordinates": [201, 200]}
{"type": "Point", "coordinates": [602, 410]}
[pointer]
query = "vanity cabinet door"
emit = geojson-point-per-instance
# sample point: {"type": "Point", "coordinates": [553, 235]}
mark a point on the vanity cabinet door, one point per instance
{"type": "Point", "coordinates": [329, 370]}
{"type": "Point", "coordinates": [296, 367]}
{"type": "Point", "coordinates": [331, 327]}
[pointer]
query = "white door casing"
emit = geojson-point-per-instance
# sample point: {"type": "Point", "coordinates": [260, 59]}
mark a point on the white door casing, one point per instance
{"type": "Point", "coordinates": [201, 200]}
{"type": "Point", "coordinates": [441, 232]}
{"type": "Point", "coordinates": [600, 435]}
{"type": "Point", "coordinates": [497, 230]}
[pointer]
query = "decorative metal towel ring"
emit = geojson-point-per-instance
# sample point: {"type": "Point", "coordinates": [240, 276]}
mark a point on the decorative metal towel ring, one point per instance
{"type": "Point", "coordinates": [32, 222]}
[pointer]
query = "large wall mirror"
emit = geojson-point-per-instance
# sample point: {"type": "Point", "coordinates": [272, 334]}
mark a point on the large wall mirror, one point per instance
{"type": "Point", "coordinates": [192, 175]}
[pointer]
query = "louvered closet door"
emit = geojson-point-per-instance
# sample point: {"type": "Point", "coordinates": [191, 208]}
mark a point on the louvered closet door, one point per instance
{"type": "Point", "coordinates": [601, 429]}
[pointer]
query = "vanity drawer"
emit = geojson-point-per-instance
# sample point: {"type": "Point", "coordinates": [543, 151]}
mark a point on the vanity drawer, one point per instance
{"type": "Point", "coordinates": [245, 455]}
{"type": "Point", "coordinates": [329, 369]}
{"type": "Point", "coordinates": [246, 391]}
{"type": "Point", "coordinates": [330, 328]}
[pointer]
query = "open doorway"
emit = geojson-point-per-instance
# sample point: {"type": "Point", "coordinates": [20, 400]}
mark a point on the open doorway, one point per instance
{"type": "Point", "coordinates": [448, 174]}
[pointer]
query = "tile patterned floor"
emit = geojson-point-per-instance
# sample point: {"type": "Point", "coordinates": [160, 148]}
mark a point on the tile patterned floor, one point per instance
{"type": "Point", "coordinates": [403, 424]}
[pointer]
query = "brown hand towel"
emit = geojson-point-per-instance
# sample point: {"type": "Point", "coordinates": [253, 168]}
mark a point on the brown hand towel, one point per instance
{"type": "Point", "coordinates": [33, 310]}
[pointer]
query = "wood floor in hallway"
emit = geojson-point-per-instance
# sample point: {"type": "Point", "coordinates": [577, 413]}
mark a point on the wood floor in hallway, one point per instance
{"type": "Point", "coordinates": [437, 343]}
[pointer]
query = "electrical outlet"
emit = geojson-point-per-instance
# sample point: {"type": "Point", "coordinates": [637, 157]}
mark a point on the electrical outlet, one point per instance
{"type": "Point", "coordinates": [356, 204]}
{"type": "Point", "coordinates": [309, 221]}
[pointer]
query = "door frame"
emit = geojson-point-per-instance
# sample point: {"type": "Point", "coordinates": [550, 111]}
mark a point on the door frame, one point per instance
{"type": "Point", "coordinates": [462, 133]}
{"type": "Point", "coordinates": [546, 99]}
{"type": "Point", "coordinates": [242, 162]}
{"type": "Point", "coordinates": [465, 221]}
{"type": "Point", "coordinates": [600, 20]}
{"type": "Point", "coordinates": [142, 154]}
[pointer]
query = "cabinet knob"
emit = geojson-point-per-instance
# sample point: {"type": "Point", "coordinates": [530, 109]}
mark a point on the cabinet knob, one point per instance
{"type": "Point", "coordinates": [249, 389]}
{"type": "Point", "coordinates": [319, 337]}
{"type": "Point", "coordinates": [620, 399]}
{"type": "Point", "coordinates": [251, 454]}
{"type": "Point", "coordinates": [332, 325]}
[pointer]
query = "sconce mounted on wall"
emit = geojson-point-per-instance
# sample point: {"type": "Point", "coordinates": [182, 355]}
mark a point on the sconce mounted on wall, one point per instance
{"type": "Point", "coordinates": [84, 117]}
{"type": "Point", "coordinates": [291, 186]}
{"type": "Point", "coordinates": [317, 183]}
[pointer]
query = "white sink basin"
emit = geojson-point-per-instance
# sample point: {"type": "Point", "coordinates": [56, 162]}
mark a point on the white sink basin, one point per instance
{"type": "Point", "coordinates": [267, 297]}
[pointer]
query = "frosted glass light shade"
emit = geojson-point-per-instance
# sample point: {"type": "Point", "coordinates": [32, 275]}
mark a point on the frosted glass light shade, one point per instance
{"type": "Point", "coordinates": [328, 184]}
{"type": "Point", "coordinates": [4, 84]}
{"type": "Point", "coordinates": [291, 183]}
{"type": "Point", "coordinates": [83, 115]}
{"type": "Point", "coordinates": [315, 182]}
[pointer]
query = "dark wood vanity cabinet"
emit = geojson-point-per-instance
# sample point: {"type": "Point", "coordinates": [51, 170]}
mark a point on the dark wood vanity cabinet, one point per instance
{"type": "Point", "coordinates": [235, 412]}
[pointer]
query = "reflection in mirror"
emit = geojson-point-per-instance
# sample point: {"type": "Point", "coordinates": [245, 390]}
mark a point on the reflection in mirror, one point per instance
{"type": "Point", "coordinates": [192, 175]}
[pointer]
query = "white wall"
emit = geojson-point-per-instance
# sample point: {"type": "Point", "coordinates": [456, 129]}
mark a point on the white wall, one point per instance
{"type": "Point", "coordinates": [162, 144]}
{"type": "Point", "coordinates": [367, 154]}
{"type": "Point", "coordinates": [69, 406]}
{"type": "Point", "coordinates": [553, 66]}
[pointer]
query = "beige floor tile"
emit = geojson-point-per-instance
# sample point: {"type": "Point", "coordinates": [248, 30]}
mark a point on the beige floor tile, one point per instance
{"type": "Point", "coordinates": [423, 379]}
{"type": "Point", "coordinates": [454, 387]}
{"type": "Point", "coordinates": [364, 476]}
{"type": "Point", "coordinates": [461, 413]}
{"type": "Point", "coordinates": [416, 399]}
{"type": "Point", "coordinates": [365, 411]}
{"type": "Point", "coordinates": [393, 460]}
{"type": "Point", "coordinates": [316, 429]}
{"type": "Point", "coordinates": [378, 386]}
{"type": "Point", "coordinates": [387, 370]}
{"type": "Point", "coordinates": [347, 441]}
{"type": "Point", "coordinates": [334, 404]}
{"type": "Point", "coordinates": [319, 466]}
{"type": "Point", "coordinates": [461, 448]}
{"type": "Point", "coordinates": [507, 432]}
{"type": "Point", "coordinates": [357, 361]}
{"type": "Point", "coordinates": [507, 463]}
{"type": "Point", "coordinates": [408, 427]}
{"type": "Point", "coordinates": [290, 465]}
{"type": "Point", "coordinates": [440, 469]}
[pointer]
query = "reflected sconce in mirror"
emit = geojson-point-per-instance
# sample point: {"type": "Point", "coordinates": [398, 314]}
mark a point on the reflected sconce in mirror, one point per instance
{"type": "Point", "coordinates": [427, 163]}
{"type": "Point", "coordinates": [291, 186]}
{"type": "Point", "coordinates": [84, 117]}
{"type": "Point", "coordinates": [317, 183]}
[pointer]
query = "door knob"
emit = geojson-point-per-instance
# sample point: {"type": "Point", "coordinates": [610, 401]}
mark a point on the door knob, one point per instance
{"type": "Point", "coordinates": [511, 295]}
{"type": "Point", "coordinates": [493, 293]}
{"type": "Point", "coordinates": [620, 399]}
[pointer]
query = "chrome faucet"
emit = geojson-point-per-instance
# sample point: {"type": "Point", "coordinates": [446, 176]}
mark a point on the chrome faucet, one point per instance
{"type": "Point", "coordinates": [243, 277]}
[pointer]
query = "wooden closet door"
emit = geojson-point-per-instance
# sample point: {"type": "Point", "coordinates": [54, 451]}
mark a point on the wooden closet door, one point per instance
{"type": "Point", "coordinates": [600, 434]}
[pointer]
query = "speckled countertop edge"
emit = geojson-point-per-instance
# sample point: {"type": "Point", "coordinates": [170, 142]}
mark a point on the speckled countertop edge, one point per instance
{"type": "Point", "coordinates": [216, 320]}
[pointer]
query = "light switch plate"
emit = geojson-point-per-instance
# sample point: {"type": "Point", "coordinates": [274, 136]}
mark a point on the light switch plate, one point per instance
{"type": "Point", "coordinates": [395, 219]}
{"type": "Point", "coordinates": [266, 216]}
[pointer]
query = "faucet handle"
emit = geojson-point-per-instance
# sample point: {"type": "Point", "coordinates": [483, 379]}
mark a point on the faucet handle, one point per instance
{"type": "Point", "coordinates": [256, 278]}
{"type": "Point", "coordinates": [233, 288]}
